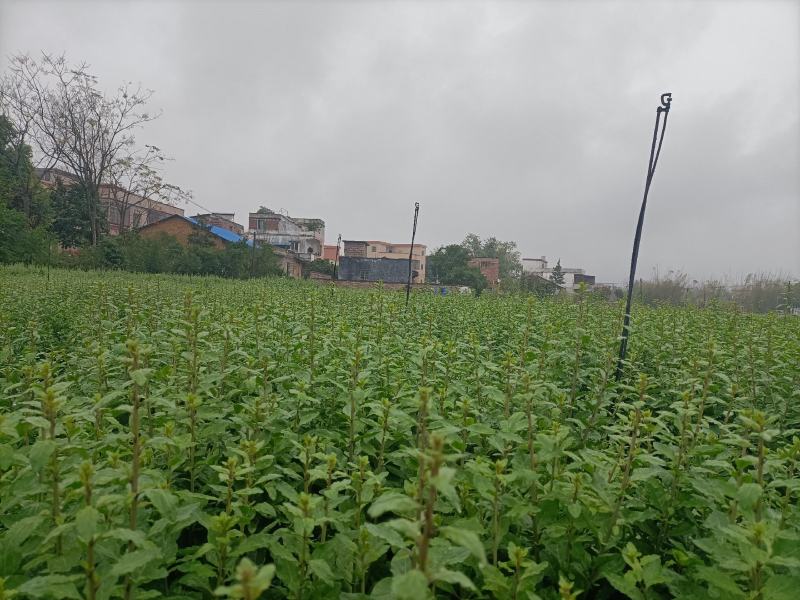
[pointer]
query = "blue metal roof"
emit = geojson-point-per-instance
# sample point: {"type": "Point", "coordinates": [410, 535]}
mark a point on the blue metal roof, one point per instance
{"type": "Point", "coordinates": [221, 232]}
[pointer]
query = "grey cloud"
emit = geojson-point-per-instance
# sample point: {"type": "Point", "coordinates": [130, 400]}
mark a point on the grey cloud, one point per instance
{"type": "Point", "coordinates": [527, 121]}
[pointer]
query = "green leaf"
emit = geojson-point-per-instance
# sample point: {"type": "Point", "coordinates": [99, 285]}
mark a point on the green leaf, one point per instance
{"type": "Point", "coordinates": [86, 521]}
{"type": "Point", "coordinates": [410, 586]}
{"type": "Point", "coordinates": [625, 585]}
{"type": "Point", "coordinates": [781, 587]}
{"type": "Point", "coordinates": [165, 502]}
{"type": "Point", "coordinates": [139, 376]}
{"type": "Point", "coordinates": [51, 586]}
{"type": "Point", "coordinates": [386, 533]}
{"type": "Point", "coordinates": [134, 560]}
{"type": "Point", "coordinates": [466, 539]}
{"type": "Point", "coordinates": [322, 570]}
{"type": "Point", "coordinates": [748, 494]}
{"type": "Point", "coordinates": [720, 580]}
{"type": "Point", "coordinates": [391, 502]}
{"type": "Point", "coordinates": [454, 577]}
{"type": "Point", "coordinates": [40, 453]}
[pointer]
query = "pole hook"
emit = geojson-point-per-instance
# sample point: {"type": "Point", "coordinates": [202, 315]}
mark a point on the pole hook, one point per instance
{"type": "Point", "coordinates": [666, 100]}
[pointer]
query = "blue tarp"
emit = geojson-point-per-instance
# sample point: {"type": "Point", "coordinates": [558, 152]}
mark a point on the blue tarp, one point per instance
{"type": "Point", "coordinates": [220, 232]}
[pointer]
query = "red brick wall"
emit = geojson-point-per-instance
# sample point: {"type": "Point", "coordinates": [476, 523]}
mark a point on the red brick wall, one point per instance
{"type": "Point", "coordinates": [179, 229]}
{"type": "Point", "coordinates": [489, 268]}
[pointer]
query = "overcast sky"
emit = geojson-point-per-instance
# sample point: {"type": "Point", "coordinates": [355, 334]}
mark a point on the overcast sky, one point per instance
{"type": "Point", "coordinates": [527, 121]}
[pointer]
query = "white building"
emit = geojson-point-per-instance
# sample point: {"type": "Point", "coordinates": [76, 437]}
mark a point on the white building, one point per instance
{"type": "Point", "coordinates": [304, 237]}
{"type": "Point", "coordinates": [573, 277]}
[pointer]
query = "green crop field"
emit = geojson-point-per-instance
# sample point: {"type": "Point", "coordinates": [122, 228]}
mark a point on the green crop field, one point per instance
{"type": "Point", "coordinates": [163, 436]}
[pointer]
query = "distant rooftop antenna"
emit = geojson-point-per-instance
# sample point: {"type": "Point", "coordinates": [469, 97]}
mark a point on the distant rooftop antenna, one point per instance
{"type": "Point", "coordinates": [666, 101]}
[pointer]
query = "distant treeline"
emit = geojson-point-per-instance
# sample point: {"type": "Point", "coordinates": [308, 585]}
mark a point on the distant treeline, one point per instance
{"type": "Point", "coordinates": [758, 293]}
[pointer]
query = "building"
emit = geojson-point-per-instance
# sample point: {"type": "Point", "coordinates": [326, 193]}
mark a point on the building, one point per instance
{"type": "Point", "coordinates": [290, 263]}
{"type": "Point", "coordinates": [183, 228]}
{"type": "Point", "coordinates": [573, 277]}
{"type": "Point", "coordinates": [534, 265]}
{"type": "Point", "coordinates": [489, 268]}
{"type": "Point", "coordinates": [224, 220]}
{"type": "Point", "coordinates": [361, 268]}
{"type": "Point", "coordinates": [123, 209]}
{"type": "Point", "coordinates": [378, 249]}
{"type": "Point", "coordinates": [304, 237]}
{"type": "Point", "coordinates": [329, 253]}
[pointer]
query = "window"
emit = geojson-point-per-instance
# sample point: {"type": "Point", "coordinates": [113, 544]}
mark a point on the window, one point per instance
{"type": "Point", "coordinates": [363, 275]}
{"type": "Point", "coordinates": [373, 248]}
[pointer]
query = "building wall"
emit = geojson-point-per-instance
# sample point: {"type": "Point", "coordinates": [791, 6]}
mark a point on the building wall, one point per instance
{"type": "Point", "coordinates": [353, 268]}
{"type": "Point", "coordinates": [489, 268]}
{"type": "Point", "coordinates": [180, 229]}
{"type": "Point", "coordinates": [379, 249]}
{"type": "Point", "coordinates": [224, 220]}
{"type": "Point", "coordinates": [139, 211]}
{"type": "Point", "coordinates": [329, 253]}
{"type": "Point", "coordinates": [534, 265]}
{"type": "Point", "coordinates": [284, 232]}
{"type": "Point", "coordinates": [354, 248]}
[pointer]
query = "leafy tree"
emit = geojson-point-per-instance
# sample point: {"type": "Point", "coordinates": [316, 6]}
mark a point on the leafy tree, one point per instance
{"type": "Point", "coordinates": [320, 265]}
{"type": "Point", "coordinates": [20, 243]}
{"type": "Point", "coordinates": [71, 219]}
{"type": "Point", "coordinates": [507, 252]}
{"type": "Point", "coordinates": [536, 284]}
{"type": "Point", "coordinates": [557, 274]}
{"type": "Point", "coordinates": [71, 122]}
{"type": "Point", "coordinates": [448, 265]}
{"type": "Point", "coordinates": [19, 186]}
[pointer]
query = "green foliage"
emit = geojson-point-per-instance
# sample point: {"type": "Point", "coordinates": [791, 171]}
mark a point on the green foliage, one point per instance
{"type": "Point", "coordinates": [320, 265]}
{"type": "Point", "coordinates": [19, 186]}
{"type": "Point", "coordinates": [557, 274]}
{"type": "Point", "coordinates": [176, 437]}
{"type": "Point", "coordinates": [448, 265]}
{"type": "Point", "coordinates": [71, 215]}
{"type": "Point", "coordinates": [19, 243]}
{"type": "Point", "coordinates": [164, 254]}
{"type": "Point", "coordinates": [507, 252]}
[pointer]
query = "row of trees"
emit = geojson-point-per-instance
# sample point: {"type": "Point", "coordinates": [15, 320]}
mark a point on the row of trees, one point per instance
{"type": "Point", "coordinates": [57, 116]}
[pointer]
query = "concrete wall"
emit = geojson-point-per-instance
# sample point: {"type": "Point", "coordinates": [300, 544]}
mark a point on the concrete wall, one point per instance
{"type": "Point", "coordinates": [379, 249]}
{"type": "Point", "coordinates": [352, 268]}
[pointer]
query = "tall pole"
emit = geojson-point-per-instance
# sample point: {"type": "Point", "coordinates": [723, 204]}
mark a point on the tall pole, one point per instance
{"type": "Point", "coordinates": [253, 256]}
{"type": "Point", "coordinates": [336, 262]}
{"type": "Point", "coordinates": [666, 100]}
{"type": "Point", "coordinates": [411, 251]}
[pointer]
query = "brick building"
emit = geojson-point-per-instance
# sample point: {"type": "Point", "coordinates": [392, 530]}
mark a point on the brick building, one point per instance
{"type": "Point", "coordinates": [378, 249]}
{"type": "Point", "coordinates": [489, 268]}
{"type": "Point", "coordinates": [123, 209]}
{"type": "Point", "coordinates": [183, 228]}
{"type": "Point", "coordinates": [329, 253]}
{"type": "Point", "coordinates": [224, 220]}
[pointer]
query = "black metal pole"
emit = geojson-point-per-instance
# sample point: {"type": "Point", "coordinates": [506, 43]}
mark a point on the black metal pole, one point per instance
{"type": "Point", "coordinates": [336, 262]}
{"type": "Point", "coordinates": [666, 100]}
{"type": "Point", "coordinates": [253, 256]}
{"type": "Point", "coordinates": [411, 251]}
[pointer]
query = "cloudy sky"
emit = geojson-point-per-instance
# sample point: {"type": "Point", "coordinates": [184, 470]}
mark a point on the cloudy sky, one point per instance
{"type": "Point", "coordinates": [527, 121]}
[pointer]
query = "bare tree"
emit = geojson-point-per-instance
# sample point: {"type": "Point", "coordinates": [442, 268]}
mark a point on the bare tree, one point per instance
{"type": "Point", "coordinates": [134, 182]}
{"type": "Point", "coordinates": [72, 123]}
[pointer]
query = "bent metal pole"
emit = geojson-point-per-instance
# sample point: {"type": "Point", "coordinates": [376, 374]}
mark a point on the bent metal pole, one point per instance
{"type": "Point", "coordinates": [666, 101]}
{"type": "Point", "coordinates": [411, 251]}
